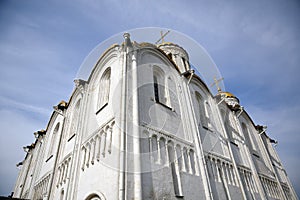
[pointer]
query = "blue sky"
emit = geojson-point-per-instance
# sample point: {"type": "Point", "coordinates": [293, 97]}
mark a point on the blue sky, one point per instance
{"type": "Point", "coordinates": [255, 45]}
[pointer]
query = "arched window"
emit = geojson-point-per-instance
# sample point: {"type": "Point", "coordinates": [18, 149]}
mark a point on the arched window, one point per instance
{"type": "Point", "coordinates": [230, 125]}
{"type": "Point", "coordinates": [171, 93]}
{"type": "Point", "coordinates": [228, 128]}
{"type": "Point", "coordinates": [159, 85]}
{"type": "Point", "coordinates": [233, 125]}
{"type": "Point", "coordinates": [223, 115]}
{"type": "Point", "coordinates": [53, 140]}
{"type": "Point", "coordinates": [93, 197]}
{"type": "Point", "coordinates": [184, 64]}
{"type": "Point", "coordinates": [200, 111]}
{"type": "Point", "coordinates": [232, 121]}
{"type": "Point", "coordinates": [248, 137]}
{"type": "Point", "coordinates": [75, 118]}
{"type": "Point", "coordinates": [104, 87]}
{"type": "Point", "coordinates": [209, 116]}
{"type": "Point", "coordinates": [164, 88]}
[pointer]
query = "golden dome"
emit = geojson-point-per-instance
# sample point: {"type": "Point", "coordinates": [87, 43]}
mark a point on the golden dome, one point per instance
{"type": "Point", "coordinates": [232, 101]}
{"type": "Point", "coordinates": [227, 94]}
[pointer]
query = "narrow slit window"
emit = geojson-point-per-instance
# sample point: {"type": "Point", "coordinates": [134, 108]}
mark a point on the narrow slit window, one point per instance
{"type": "Point", "coordinates": [156, 94]}
{"type": "Point", "coordinates": [53, 140]}
{"type": "Point", "coordinates": [75, 119]}
{"type": "Point", "coordinates": [201, 111]}
{"type": "Point", "coordinates": [162, 87]}
{"type": "Point", "coordinates": [104, 88]}
{"type": "Point", "coordinates": [209, 116]}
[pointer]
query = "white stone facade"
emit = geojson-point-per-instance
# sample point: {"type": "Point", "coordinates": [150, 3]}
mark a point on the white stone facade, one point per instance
{"type": "Point", "coordinates": [143, 126]}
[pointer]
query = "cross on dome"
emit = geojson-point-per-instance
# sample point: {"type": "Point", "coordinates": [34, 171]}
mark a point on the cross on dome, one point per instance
{"type": "Point", "coordinates": [162, 35]}
{"type": "Point", "coordinates": [216, 83]}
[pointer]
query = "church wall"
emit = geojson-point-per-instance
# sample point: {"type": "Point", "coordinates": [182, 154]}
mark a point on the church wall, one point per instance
{"type": "Point", "coordinates": [100, 158]}
{"type": "Point", "coordinates": [192, 186]}
{"type": "Point", "coordinates": [36, 162]}
{"type": "Point", "coordinates": [210, 136]}
{"type": "Point", "coordinates": [260, 158]}
{"type": "Point", "coordinates": [166, 125]}
{"type": "Point", "coordinates": [278, 183]}
{"type": "Point", "coordinates": [277, 164]}
{"type": "Point", "coordinates": [245, 175]}
{"type": "Point", "coordinates": [61, 165]}
{"type": "Point", "coordinates": [248, 148]}
{"type": "Point", "coordinates": [30, 175]}
{"type": "Point", "coordinates": [70, 132]}
{"type": "Point", "coordinates": [236, 137]}
{"type": "Point", "coordinates": [21, 189]}
{"type": "Point", "coordinates": [265, 155]}
{"type": "Point", "coordinates": [224, 178]}
{"type": "Point", "coordinates": [225, 182]}
{"type": "Point", "coordinates": [176, 162]}
{"type": "Point", "coordinates": [17, 189]}
{"type": "Point", "coordinates": [97, 116]}
{"type": "Point", "coordinates": [160, 114]}
{"type": "Point", "coordinates": [272, 178]}
{"type": "Point", "coordinates": [100, 134]}
{"type": "Point", "coordinates": [187, 148]}
{"type": "Point", "coordinates": [249, 137]}
{"type": "Point", "coordinates": [253, 146]}
{"type": "Point", "coordinates": [99, 177]}
{"type": "Point", "coordinates": [235, 193]}
{"type": "Point", "coordinates": [48, 157]}
{"type": "Point", "coordinates": [211, 133]}
{"type": "Point", "coordinates": [25, 181]}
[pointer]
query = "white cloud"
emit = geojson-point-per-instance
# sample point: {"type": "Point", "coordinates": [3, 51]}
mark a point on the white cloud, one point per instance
{"type": "Point", "coordinates": [26, 107]}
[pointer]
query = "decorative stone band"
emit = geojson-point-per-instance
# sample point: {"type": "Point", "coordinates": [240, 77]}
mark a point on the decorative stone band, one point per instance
{"type": "Point", "coordinates": [168, 136]}
{"type": "Point", "coordinates": [63, 171]}
{"type": "Point", "coordinates": [41, 188]}
{"type": "Point", "coordinates": [270, 186]}
{"type": "Point", "coordinates": [247, 178]}
{"type": "Point", "coordinates": [166, 148]}
{"type": "Point", "coordinates": [221, 168]}
{"type": "Point", "coordinates": [287, 191]}
{"type": "Point", "coordinates": [98, 144]}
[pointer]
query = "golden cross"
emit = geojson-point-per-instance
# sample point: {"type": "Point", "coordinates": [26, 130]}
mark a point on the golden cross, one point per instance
{"type": "Point", "coordinates": [216, 82]}
{"type": "Point", "coordinates": [162, 37]}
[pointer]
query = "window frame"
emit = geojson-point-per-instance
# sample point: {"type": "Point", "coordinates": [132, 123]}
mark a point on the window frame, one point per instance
{"type": "Point", "coordinates": [103, 90]}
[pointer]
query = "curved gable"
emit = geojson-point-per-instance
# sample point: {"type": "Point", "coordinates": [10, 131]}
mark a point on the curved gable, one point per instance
{"type": "Point", "coordinates": [104, 61]}
{"type": "Point", "coordinates": [155, 57]}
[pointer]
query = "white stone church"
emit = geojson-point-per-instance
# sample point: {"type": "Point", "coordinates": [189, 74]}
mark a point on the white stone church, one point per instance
{"type": "Point", "coordinates": [145, 126]}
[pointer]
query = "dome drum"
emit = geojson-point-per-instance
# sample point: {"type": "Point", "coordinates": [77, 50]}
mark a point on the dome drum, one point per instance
{"type": "Point", "coordinates": [177, 54]}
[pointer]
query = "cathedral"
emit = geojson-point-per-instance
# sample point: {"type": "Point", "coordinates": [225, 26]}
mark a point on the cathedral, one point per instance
{"type": "Point", "coordinates": [144, 125]}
